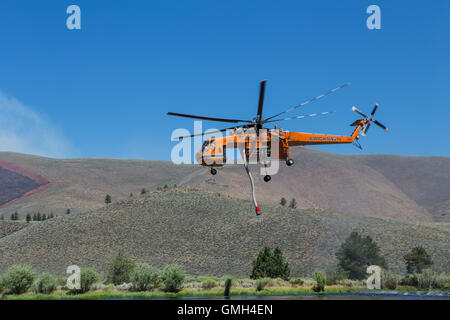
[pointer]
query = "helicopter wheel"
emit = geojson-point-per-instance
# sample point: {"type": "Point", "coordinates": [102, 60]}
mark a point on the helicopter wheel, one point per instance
{"type": "Point", "coordinates": [290, 162]}
{"type": "Point", "coordinates": [267, 178]}
{"type": "Point", "coordinates": [213, 171]}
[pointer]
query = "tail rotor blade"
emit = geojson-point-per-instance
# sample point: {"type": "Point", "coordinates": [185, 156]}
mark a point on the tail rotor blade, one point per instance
{"type": "Point", "coordinates": [357, 111]}
{"type": "Point", "coordinates": [380, 125]}
{"type": "Point", "coordinates": [374, 110]}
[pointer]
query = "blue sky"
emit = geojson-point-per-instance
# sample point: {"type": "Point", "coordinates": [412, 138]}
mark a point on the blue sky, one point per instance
{"type": "Point", "coordinates": [104, 90]}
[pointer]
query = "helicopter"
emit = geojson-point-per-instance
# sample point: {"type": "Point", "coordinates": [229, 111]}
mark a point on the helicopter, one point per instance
{"type": "Point", "coordinates": [255, 142]}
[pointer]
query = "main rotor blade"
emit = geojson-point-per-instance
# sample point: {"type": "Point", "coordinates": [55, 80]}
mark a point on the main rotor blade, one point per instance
{"type": "Point", "coordinates": [205, 118]}
{"type": "Point", "coordinates": [205, 133]}
{"type": "Point", "coordinates": [357, 111]}
{"type": "Point", "coordinates": [379, 124]}
{"type": "Point", "coordinates": [262, 88]}
{"type": "Point", "coordinates": [302, 116]}
{"type": "Point", "coordinates": [311, 100]}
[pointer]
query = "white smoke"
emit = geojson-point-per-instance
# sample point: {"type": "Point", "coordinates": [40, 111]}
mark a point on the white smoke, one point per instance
{"type": "Point", "coordinates": [25, 131]}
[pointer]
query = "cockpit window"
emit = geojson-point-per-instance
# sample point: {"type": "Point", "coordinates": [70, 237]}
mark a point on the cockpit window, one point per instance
{"type": "Point", "coordinates": [208, 145]}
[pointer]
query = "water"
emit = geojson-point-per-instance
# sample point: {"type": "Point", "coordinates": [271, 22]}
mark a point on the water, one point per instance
{"type": "Point", "coordinates": [371, 295]}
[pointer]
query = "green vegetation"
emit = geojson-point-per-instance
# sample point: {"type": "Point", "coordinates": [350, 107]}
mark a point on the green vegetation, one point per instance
{"type": "Point", "coordinates": [18, 279]}
{"type": "Point", "coordinates": [144, 277]}
{"type": "Point", "coordinates": [88, 276]}
{"type": "Point", "coordinates": [120, 269]}
{"type": "Point", "coordinates": [108, 199]}
{"type": "Point", "coordinates": [298, 282]}
{"type": "Point", "coordinates": [293, 204]}
{"type": "Point", "coordinates": [209, 283]}
{"type": "Point", "coordinates": [173, 277]}
{"type": "Point", "coordinates": [417, 260]}
{"type": "Point", "coordinates": [389, 280]}
{"type": "Point", "coordinates": [45, 283]}
{"type": "Point", "coordinates": [226, 292]}
{"type": "Point", "coordinates": [283, 202]}
{"type": "Point", "coordinates": [262, 283]}
{"type": "Point", "coordinates": [270, 264]}
{"type": "Point", "coordinates": [321, 279]}
{"type": "Point", "coordinates": [357, 253]}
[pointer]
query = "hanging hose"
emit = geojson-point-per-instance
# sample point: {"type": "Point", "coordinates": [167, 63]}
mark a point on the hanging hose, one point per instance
{"type": "Point", "coordinates": [247, 169]}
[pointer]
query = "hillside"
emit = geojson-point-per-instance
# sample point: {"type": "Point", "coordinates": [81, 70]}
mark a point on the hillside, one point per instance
{"type": "Point", "coordinates": [385, 186]}
{"type": "Point", "coordinates": [210, 234]}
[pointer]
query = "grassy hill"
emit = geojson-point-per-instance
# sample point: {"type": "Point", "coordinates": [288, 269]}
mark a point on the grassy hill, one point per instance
{"type": "Point", "coordinates": [385, 186]}
{"type": "Point", "coordinates": [210, 234]}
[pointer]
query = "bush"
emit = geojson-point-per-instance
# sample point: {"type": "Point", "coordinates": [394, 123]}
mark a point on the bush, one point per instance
{"type": "Point", "coordinates": [261, 284]}
{"type": "Point", "coordinates": [18, 279]}
{"type": "Point", "coordinates": [1, 284]}
{"type": "Point", "coordinates": [144, 277]}
{"type": "Point", "coordinates": [389, 280]}
{"type": "Point", "coordinates": [173, 277]}
{"type": "Point", "coordinates": [228, 284]}
{"type": "Point", "coordinates": [209, 284]}
{"type": "Point", "coordinates": [88, 276]}
{"type": "Point", "coordinates": [297, 282]}
{"type": "Point", "coordinates": [46, 284]}
{"type": "Point", "coordinates": [321, 278]}
{"type": "Point", "coordinates": [334, 278]}
{"type": "Point", "coordinates": [430, 279]}
{"type": "Point", "coordinates": [120, 269]}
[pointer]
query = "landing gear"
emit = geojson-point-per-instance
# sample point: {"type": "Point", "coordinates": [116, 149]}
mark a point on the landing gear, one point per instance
{"type": "Point", "coordinates": [267, 178]}
{"type": "Point", "coordinates": [213, 171]}
{"type": "Point", "coordinates": [289, 162]}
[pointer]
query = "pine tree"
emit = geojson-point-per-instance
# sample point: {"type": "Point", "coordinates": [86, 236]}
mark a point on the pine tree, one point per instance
{"type": "Point", "coordinates": [270, 264]}
{"type": "Point", "coordinates": [68, 211]}
{"type": "Point", "coordinates": [44, 217]}
{"type": "Point", "coordinates": [38, 216]}
{"type": "Point", "coordinates": [28, 217]}
{"type": "Point", "coordinates": [34, 217]}
{"type": "Point", "coordinates": [108, 199]}
{"type": "Point", "coordinates": [357, 253]}
{"type": "Point", "coordinates": [293, 204]}
{"type": "Point", "coordinates": [283, 202]}
{"type": "Point", "coordinates": [417, 260]}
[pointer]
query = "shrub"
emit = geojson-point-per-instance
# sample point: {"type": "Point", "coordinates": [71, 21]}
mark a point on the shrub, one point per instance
{"type": "Point", "coordinates": [1, 284]}
{"type": "Point", "coordinates": [120, 269]}
{"type": "Point", "coordinates": [389, 280]}
{"type": "Point", "coordinates": [173, 277]}
{"type": "Point", "coordinates": [270, 264]}
{"type": "Point", "coordinates": [18, 279]}
{"type": "Point", "coordinates": [209, 283]}
{"type": "Point", "coordinates": [228, 283]}
{"type": "Point", "coordinates": [356, 254]}
{"type": "Point", "coordinates": [88, 276]}
{"type": "Point", "coordinates": [46, 284]}
{"type": "Point", "coordinates": [297, 282]}
{"type": "Point", "coordinates": [334, 278]}
{"type": "Point", "coordinates": [430, 279]}
{"type": "Point", "coordinates": [321, 278]}
{"type": "Point", "coordinates": [261, 284]}
{"type": "Point", "coordinates": [144, 277]}
{"type": "Point", "coordinates": [417, 260]}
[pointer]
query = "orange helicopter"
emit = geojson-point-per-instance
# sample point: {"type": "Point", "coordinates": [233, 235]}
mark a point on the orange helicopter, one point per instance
{"type": "Point", "coordinates": [258, 143]}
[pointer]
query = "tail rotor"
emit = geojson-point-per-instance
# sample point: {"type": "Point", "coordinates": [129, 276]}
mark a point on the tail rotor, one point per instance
{"type": "Point", "coordinates": [369, 120]}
